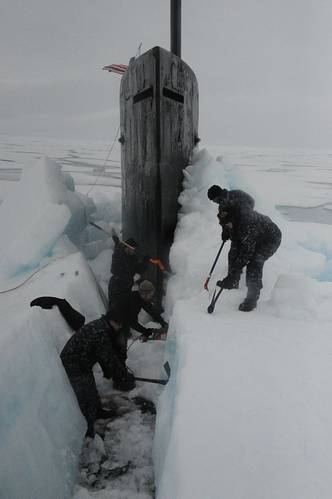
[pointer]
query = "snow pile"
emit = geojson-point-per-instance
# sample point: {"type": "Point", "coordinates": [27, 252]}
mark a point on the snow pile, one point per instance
{"type": "Point", "coordinates": [33, 218]}
{"type": "Point", "coordinates": [248, 410]}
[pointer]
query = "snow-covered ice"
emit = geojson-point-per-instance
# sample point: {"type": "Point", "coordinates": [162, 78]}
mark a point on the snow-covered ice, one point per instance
{"type": "Point", "coordinates": [41, 209]}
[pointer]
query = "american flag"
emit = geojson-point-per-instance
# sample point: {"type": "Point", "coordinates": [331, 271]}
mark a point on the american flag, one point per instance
{"type": "Point", "coordinates": [116, 68]}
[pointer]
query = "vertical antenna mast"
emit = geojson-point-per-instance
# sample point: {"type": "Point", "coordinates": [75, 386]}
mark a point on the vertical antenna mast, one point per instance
{"type": "Point", "coordinates": [176, 27]}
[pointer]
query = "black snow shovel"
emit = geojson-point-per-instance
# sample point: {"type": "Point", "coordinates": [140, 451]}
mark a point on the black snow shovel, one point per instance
{"type": "Point", "coordinates": [158, 381]}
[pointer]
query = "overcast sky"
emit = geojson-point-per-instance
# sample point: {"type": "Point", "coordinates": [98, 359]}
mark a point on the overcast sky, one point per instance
{"type": "Point", "coordinates": [264, 67]}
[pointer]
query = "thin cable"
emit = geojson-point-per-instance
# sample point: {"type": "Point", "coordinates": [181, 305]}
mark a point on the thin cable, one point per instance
{"type": "Point", "coordinates": [31, 275]}
{"type": "Point", "coordinates": [103, 166]}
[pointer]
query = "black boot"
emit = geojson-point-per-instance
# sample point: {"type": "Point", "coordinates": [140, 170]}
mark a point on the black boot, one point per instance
{"type": "Point", "coordinates": [248, 304]}
{"type": "Point", "coordinates": [250, 301]}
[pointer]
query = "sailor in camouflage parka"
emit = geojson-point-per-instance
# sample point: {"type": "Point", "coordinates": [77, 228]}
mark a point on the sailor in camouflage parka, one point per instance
{"type": "Point", "coordinates": [91, 344]}
{"type": "Point", "coordinates": [233, 198]}
{"type": "Point", "coordinates": [254, 239]}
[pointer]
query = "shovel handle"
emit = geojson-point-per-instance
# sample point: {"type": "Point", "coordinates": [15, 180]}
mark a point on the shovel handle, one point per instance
{"type": "Point", "coordinates": [158, 381]}
{"type": "Point", "coordinates": [148, 380]}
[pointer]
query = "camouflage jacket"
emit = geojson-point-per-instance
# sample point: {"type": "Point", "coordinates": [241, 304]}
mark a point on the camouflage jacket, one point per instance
{"type": "Point", "coordinates": [90, 345]}
{"type": "Point", "coordinates": [235, 199]}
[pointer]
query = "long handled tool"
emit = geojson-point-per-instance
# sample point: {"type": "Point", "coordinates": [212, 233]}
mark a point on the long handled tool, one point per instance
{"type": "Point", "coordinates": [154, 261]}
{"type": "Point", "coordinates": [101, 228]}
{"type": "Point", "coordinates": [213, 266]}
{"type": "Point", "coordinates": [158, 381]}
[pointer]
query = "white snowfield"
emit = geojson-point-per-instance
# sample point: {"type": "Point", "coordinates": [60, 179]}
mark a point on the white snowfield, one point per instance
{"type": "Point", "coordinates": [247, 413]}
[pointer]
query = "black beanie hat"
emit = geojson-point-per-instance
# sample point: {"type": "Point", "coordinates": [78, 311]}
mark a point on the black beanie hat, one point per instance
{"type": "Point", "coordinates": [215, 191]}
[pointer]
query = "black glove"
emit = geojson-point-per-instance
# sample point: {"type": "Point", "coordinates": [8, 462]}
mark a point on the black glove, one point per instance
{"type": "Point", "coordinates": [45, 302]}
{"type": "Point", "coordinates": [148, 332]}
{"type": "Point", "coordinates": [125, 383]}
{"type": "Point", "coordinates": [229, 282]}
{"type": "Point", "coordinates": [226, 234]}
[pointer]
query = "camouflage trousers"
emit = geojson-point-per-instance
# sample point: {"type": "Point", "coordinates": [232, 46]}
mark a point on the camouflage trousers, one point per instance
{"type": "Point", "coordinates": [118, 291]}
{"type": "Point", "coordinates": [86, 392]}
{"type": "Point", "coordinates": [254, 272]}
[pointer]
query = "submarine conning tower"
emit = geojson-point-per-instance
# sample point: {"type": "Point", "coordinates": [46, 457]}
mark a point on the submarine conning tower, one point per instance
{"type": "Point", "coordinates": [159, 129]}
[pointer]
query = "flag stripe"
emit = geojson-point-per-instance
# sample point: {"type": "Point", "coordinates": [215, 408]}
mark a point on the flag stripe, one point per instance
{"type": "Point", "coordinates": [116, 68]}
